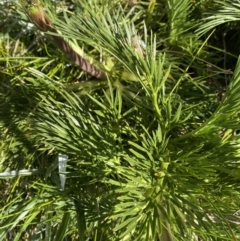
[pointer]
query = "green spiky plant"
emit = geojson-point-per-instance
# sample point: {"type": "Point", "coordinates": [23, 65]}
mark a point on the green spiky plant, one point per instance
{"type": "Point", "coordinates": [151, 157]}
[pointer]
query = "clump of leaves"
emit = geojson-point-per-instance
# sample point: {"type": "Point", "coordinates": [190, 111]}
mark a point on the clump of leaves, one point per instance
{"type": "Point", "coordinates": [152, 150]}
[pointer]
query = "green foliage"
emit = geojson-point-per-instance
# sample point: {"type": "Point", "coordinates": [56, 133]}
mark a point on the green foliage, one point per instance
{"type": "Point", "coordinates": [153, 150]}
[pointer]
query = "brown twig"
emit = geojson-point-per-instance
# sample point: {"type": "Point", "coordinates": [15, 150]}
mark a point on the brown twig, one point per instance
{"type": "Point", "coordinates": [43, 23]}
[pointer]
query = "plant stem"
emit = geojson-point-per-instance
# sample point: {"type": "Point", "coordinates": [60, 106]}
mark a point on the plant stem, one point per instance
{"type": "Point", "coordinates": [37, 15]}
